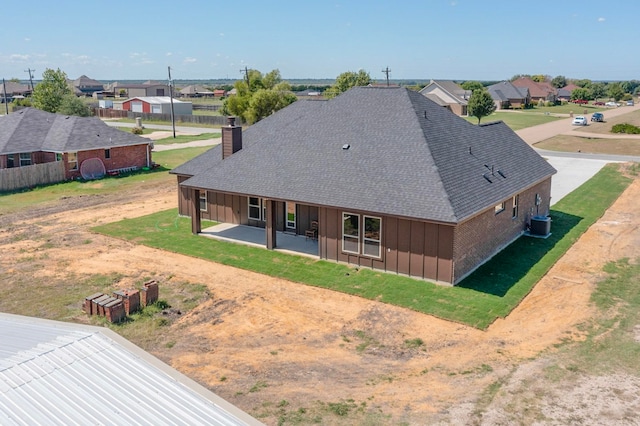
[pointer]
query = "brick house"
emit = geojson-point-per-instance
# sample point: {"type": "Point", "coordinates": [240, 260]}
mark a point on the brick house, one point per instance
{"type": "Point", "coordinates": [32, 136]}
{"type": "Point", "coordinates": [449, 95]}
{"type": "Point", "coordinates": [537, 90]}
{"type": "Point", "coordinates": [506, 95]}
{"type": "Point", "coordinates": [393, 181]}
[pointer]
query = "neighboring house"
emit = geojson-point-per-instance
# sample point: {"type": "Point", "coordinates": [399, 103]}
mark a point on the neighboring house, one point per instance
{"type": "Point", "coordinates": [564, 94]}
{"type": "Point", "coordinates": [14, 89]}
{"type": "Point", "coordinates": [154, 105]}
{"type": "Point", "coordinates": [134, 90]}
{"type": "Point", "coordinates": [506, 95]}
{"type": "Point", "coordinates": [87, 86]}
{"type": "Point", "coordinates": [537, 90]}
{"type": "Point", "coordinates": [195, 91]}
{"type": "Point", "coordinates": [448, 94]}
{"type": "Point", "coordinates": [57, 373]}
{"type": "Point", "coordinates": [219, 93]}
{"type": "Point", "coordinates": [31, 136]}
{"type": "Point", "coordinates": [308, 94]}
{"type": "Point", "coordinates": [394, 182]}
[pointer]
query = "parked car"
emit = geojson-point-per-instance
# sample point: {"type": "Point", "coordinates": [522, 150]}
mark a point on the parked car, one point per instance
{"type": "Point", "coordinates": [630, 102]}
{"type": "Point", "coordinates": [611, 104]}
{"type": "Point", "coordinates": [599, 103]}
{"type": "Point", "coordinates": [597, 116]}
{"type": "Point", "coordinates": [580, 120]}
{"type": "Point", "coordinates": [580, 101]}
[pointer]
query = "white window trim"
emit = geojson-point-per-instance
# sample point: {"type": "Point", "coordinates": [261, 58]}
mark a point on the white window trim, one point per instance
{"type": "Point", "coordinates": [357, 237]}
{"type": "Point", "coordinates": [74, 163]}
{"type": "Point", "coordinates": [203, 195]}
{"type": "Point", "coordinates": [262, 206]}
{"type": "Point", "coordinates": [499, 208]}
{"type": "Point", "coordinates": [379, 241]}
{"type": "Point", "coordinates": [515, 204]}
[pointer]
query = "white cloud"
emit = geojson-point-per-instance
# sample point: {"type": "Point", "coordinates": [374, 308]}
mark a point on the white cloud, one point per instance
{"type": "Point", "coordinates": [169, 54]}
{"type": "Point", "coordinates": [27, 39]}
{"type": "Point", "coordinates": [17, 57]}
{"type": "Point", "coordinates": [221, 34]}
{"type": "Point", "coordinates": [189, 60]}
{"type": "Point", "coordinates": [601, 19]}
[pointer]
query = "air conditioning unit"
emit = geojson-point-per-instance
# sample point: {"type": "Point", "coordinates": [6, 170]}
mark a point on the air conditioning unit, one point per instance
{"type": "Point", "coordinates": [540, 225]}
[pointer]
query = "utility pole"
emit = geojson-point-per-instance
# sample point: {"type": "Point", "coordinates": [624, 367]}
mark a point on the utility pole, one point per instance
{"type": "Point", "coordinates": [29, 70]}
{"type": "Point", "coordinates": [387, 71]}
{"type": "Point", "coordinates": [246, 75]}
{"type": "Point", "coordinates": [173, 117]}
{"type": "Point", "coordinates": [4, 93]}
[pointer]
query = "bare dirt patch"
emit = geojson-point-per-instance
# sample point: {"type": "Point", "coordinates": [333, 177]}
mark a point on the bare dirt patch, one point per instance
{"type": "Point", "coordinates": [278, 349]}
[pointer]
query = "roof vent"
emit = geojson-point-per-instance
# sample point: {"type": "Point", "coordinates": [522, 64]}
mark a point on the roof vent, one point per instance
{"type": "Point", "coordinates": [346, 146]}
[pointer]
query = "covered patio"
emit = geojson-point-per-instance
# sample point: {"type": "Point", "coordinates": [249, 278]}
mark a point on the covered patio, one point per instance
{"type": "Point", "coordinates": [257, 237]}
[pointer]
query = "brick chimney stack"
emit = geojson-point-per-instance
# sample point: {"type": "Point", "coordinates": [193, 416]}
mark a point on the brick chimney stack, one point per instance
{"type": "Point", "coordinates": [231, 138]}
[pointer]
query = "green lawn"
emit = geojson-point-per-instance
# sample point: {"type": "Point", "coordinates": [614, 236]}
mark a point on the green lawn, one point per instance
{"type": "Point", "coordinates": [515, 120]}
{"type": "Point", "coordinates": [187, 138]}
{"type": "Point", "coordinates": [489, 293]}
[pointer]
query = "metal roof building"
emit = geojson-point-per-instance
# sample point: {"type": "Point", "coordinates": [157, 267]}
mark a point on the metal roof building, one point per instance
{"type": "Point", "coordinates": [58, 373]}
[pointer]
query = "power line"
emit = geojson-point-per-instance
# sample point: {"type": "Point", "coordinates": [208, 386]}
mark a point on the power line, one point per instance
{"type": "Point", "coordinates": [246, 74]}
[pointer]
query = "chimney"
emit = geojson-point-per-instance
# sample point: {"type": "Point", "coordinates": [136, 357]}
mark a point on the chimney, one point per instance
{"type": "Point", "coordinates": [231, 138]}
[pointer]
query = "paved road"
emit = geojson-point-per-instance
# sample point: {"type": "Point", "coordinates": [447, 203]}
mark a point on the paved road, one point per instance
{"type": "Point", "coordinates": [548, 130]}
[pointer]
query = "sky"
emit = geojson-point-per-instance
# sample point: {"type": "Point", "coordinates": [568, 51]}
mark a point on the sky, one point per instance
{"type": "Point", "coordinates": [417, 40]}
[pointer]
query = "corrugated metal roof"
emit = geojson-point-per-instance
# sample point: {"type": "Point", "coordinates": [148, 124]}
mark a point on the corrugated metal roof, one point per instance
{"type": "Point", "coordinates": [60, 374]}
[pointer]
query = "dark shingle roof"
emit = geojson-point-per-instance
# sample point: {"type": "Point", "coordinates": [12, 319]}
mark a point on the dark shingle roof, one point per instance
{"type": "Point", "coordinates": [407, 157]}
{"type": "Point", "coordinates": [30, 130]}
{"type": "Point", "coordinates": [505, 90]}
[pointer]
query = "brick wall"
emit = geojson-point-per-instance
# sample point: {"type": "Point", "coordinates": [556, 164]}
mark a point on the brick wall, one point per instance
{"type": "Point", "coordinates": [483, 236]}
{"type": "Point", "coordinates": [121, 157]}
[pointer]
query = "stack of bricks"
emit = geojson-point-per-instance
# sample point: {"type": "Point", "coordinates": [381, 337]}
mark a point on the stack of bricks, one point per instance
{"type": "Point", "coordinates": [106, 306]}
{"type": "Point", "coordinates": [123, 302]}
{"type": "Point", "coordinates": [149, 293]}
{"type": "Point", "coordinates": [130, 298]}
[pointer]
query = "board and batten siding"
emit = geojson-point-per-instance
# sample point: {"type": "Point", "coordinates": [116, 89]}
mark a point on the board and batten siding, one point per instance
{"type": "Point", "coordinates": [409, 247]}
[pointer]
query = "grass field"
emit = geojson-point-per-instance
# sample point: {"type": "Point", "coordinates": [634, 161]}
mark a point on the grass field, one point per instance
{"type": "Point", "coordinates": [515, 120]}
{"type": "Point", "coordinates": [489, 293]}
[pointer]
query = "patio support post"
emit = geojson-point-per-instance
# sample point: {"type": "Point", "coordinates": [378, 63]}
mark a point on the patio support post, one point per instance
{"type": "Point", "coordinates": [196, 222]}
{"type": "Point", "coordinates": [271, 224]}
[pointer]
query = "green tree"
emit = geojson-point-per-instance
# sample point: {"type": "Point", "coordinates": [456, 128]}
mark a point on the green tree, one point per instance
{"type": "Point", "coordinates": [472, 85]}
{"type": "Point", "coordinates": [598, 90]}
{"type": "Point", "coordinates": [539, 78]}
{"type": "Point", "coordinates": [581, 93]}
{"type": "Point", "coordinates": [258, 96]}
{"type": "Point", "coordinates": [72, 105]}
{"type": "Point", "coordinates": [559, 81]}
{"type": "Point", "coordinates": [14, 80]}
{"type": "Point", "coordinates": [48, 94]}
{"type": "Point", "coordinates": [630, 86]}
{"type": "Point", "coordinates": [346, 81]}
{"type": "Point", "coordinates": [615, 91]}
{"type": "Point", "coordinates": [585, 82]}
{"type": "Point", "coordinates": [481, 104]}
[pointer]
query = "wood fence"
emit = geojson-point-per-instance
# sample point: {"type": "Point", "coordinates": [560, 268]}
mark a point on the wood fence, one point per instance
{"type": "Point", "coordinates": [216, 120]}
{"type": "Point", "coordinates": [30, 176]}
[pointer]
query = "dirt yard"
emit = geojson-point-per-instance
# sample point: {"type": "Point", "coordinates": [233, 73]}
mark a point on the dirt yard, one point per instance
{"type": "Point", "coordinates": [295, 354]}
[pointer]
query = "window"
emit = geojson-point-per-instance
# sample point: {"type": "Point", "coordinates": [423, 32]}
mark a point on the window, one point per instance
{"type": "Point", "coordinates": [350, 232]}
{"type": "Point", "coordinates": [291, 215]}
{"type": "Point", "coordinates": [58, 156]}
{"type": "Point", "coordinates": [25, 159]}
{"type": "Point", "coordinates": [107, 154]}
{"type": "Point", "coordinates": [257, 209]}
{"type": "Point", "coordinates": [515, 206]}
{"type": "Point", "coordinates": [10, 162]}
{"type": "Point", "coordinates": [203, 201]}
{"type": "Point", "coordinates": [371, 238]}
{"type": "Point", "coordinates": [72, 159]}
{"type": "Point", "coordinates": [370, 244]}
{"type": "Point", "coordinates": [499, 208]}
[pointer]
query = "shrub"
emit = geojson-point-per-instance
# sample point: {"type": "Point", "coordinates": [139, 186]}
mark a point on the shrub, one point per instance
{"type": "Point", "coordinates": [626, 128]}
{"type": "Point", "coordinates": [136, 130]}
{"type": "Point", "coordinates": [540, 103]}
{"type": "Point", "coordinates": [549, 104]}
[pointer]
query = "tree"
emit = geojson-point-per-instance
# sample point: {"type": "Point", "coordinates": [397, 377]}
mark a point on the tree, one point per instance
{"type": "Point", "coordinates": [581, 93]}
{"type": "Point", "coordinates": [539, 78]}
{"type": "Point", "coordinates": [585, 82]}
{"type": "Point", "coordinates": [615, 91]}
{"type": "Point", "coordinates": [72, 105]}
{"type": "Point", "coordinates": [472, 85]}
{"type": "Point", "coordinates": [258, 96]}
{"type": "Point", "coordinates": [559, 81]}
{"type": "Point", "coordinates": [346, 81]}
{"type": "Point", "coordinates": [598, 90]}
{"type": "Point", "coordinates": [481, 104]}
{"type": "Point", "coordinates": [48, 94]}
